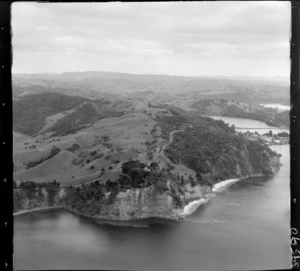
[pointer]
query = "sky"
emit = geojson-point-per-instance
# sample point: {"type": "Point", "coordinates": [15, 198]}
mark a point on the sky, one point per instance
{"type": "Point", "coordinates": [177, 38]}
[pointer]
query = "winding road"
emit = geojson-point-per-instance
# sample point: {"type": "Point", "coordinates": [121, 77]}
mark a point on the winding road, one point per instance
{"type": "Point", "coordinates": [171, 139]}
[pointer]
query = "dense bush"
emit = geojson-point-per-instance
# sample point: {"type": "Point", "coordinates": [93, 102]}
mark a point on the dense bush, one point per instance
{"type": "Point", "coordinates": [215, 153]}
{"type": "Point", "coordinates": [138, 175]}
{"type": "Point", "coordinates": [212, 149]}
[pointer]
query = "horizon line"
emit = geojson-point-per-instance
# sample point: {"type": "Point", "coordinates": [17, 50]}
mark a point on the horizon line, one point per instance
{"type": "Point", "coordinates": [152, 74]}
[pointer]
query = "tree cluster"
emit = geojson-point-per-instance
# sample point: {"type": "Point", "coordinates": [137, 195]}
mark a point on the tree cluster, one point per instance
{"type": "Point", "coordinates": [54, 151]}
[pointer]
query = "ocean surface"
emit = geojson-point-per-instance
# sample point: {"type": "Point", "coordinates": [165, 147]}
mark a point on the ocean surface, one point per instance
{"type": "Point", "coordinates": [243, 227]}
{"type": "Point", "coordinates": [250, 125]}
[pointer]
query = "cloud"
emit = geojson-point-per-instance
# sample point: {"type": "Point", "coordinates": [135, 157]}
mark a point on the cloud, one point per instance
{"type": "Point", "coordinates": [156, 36]}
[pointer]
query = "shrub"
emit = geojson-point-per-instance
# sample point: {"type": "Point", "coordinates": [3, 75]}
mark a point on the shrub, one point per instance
{"type": "Point", "coordinates": [77, 161]}
{"type": "Point", "coordinates": [107, 145]}
{"type": "Point", "coordinates": [170, 167]}
{"type": "Point", "coordinates": [161, 186]}
{"type": "Point", "coordinates": [108, 156]}
{"type": "Point", "coordinates": [105, 138]}
{"type": "Point", "coordinates": [119, 149]}
{"type": "Point", "coordinates": [150, 155]}
{"type": "Point", "coordinates": [154, 166]}
{"type": "Point", "coordinates": [193, 182]}
{"type": "Point", "coordinates": [73, 148]}
{"type": "Point", "coordinates": [93, 153]}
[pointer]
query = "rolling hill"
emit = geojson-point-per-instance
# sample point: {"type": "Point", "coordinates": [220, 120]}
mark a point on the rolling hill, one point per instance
{"type": "Point", "coordinates": [108, 84]}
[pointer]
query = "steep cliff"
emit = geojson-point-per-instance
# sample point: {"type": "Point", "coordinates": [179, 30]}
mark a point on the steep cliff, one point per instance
{"type": "Point", "coordinates": [146, 202]}
{"type": "Point", "coordinates": [97, 201]}
{"type": "Point", "coordinates": [163, 198]}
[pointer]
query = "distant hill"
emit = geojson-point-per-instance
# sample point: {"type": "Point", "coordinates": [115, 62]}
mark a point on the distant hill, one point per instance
{"type": "Point", "coordinates": [96, 83]}
{"type": "Point", "coordinates": [30, 112]}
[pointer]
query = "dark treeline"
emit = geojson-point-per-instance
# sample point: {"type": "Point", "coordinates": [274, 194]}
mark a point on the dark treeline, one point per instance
{"type": "Point", "coordinates": [54, 151]}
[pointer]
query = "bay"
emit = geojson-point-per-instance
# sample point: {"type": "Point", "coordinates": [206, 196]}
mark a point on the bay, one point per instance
{"type": "Point", "coordinates": [250, 125]}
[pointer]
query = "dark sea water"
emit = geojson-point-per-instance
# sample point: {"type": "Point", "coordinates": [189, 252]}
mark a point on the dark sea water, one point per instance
{"type": "Point", "coordinates": [244, 227]}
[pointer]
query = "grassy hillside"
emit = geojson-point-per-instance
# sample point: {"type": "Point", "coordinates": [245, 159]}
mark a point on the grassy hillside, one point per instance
{"type": "Point", "coordinates": [61, 114]}
{"type": "Point", "coordinates": [49, 169]}
{"type": "Point", "coordinates": [98, 147]}
{"type": "Point", "coordinates": [84, 116]}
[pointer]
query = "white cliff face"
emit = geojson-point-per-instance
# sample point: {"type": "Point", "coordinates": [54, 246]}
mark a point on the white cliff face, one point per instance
{"type": "Point", "coordinates": [140, 203]}
{"type": "Point", "coordinates": [275, 164]}
{"type": "Point", "coordinates": [149, 203]}
{"type": "Point", "coordinates": [197, 191]}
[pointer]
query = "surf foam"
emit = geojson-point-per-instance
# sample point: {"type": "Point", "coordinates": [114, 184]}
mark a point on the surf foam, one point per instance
{"type": "Point", "coordinates": [221, 186]}
{"type": "Point", "coordinates": [192, 206]}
